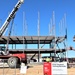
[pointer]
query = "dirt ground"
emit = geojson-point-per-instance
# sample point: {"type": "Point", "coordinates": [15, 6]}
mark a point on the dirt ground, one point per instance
{"type": "Point", "coordinates": [32, 70]}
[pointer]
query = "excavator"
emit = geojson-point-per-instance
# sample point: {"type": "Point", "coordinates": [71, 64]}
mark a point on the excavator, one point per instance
{"type": "Point", "coordinates": [13, 60]}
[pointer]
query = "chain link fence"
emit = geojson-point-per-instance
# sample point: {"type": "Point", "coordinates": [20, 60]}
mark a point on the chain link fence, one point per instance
{"type": "Point", "coordinates": [6, 70]}
{"type": "Point", "coordinates": [33, 70]}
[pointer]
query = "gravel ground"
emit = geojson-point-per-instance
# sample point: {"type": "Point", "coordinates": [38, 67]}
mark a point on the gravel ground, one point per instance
{"type": "Point", "coordinates": [31, 70]}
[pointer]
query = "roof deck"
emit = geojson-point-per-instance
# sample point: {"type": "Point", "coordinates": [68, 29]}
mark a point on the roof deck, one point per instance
{"type": "Point", "coordinates": [29, 39]}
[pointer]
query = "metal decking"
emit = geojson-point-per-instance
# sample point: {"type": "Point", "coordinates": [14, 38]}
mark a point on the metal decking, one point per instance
{"type": "Point", "coordinates": [29, 39]}
{"type": "Point", "coordinates": [50, 40]}
{"type": "Point", "coordinates": [36, 50]}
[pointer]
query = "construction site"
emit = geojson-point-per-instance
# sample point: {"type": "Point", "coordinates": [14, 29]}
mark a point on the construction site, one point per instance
{"type": "Point", "coordinates": [32, 51]}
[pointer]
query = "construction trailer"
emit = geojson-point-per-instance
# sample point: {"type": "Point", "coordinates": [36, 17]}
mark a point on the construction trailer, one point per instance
{"type": "Point", "coordinates": [11, 58]}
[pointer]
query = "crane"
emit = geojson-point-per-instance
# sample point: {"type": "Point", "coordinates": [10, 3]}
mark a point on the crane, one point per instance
{"type": "Point", "coordinates": [10, 16]}
{"type": "Point", "coordinates": [13, 59]}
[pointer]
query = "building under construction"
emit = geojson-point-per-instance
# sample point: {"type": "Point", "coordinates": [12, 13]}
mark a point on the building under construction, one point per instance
{"type": "Point", "coordinates": [52, 41]}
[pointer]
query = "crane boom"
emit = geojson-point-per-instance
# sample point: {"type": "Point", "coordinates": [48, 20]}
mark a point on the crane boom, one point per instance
{"type": "Point", "coordinates": [10, 17]}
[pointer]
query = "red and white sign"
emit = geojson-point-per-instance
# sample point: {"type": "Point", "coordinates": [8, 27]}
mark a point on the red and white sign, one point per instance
{"type": "Point", "coordinates": [47, 68]}
{"type": "Point", "coordinates": [55, 68]}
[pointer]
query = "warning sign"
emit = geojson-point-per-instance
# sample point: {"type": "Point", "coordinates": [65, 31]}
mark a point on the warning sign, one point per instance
{"type": "Point", "coordinates": [55, 68]}
{"type": "Point", "coordinates": [59, 68]}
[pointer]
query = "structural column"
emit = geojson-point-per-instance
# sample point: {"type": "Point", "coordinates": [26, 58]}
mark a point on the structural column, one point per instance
{"type": "Point", "coordinates": [38, 50]}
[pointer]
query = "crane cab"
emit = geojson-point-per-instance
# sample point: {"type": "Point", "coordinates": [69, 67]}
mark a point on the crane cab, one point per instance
{"type": "Point", "coordinates": [2, 50]}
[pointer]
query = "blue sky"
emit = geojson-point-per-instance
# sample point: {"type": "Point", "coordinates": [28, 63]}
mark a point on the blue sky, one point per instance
{"type": "Point", "coordinates": [45, 7]}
